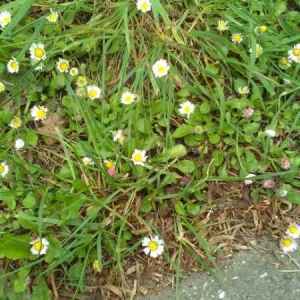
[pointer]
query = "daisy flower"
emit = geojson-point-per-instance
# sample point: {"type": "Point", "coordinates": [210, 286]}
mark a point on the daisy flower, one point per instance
{"type": "Point", "coordinates": [81, 81]}
{"type": "Point", "coordinates": [243, 90]}
{"type": "Point", "coordinates": [187, 108]}
{"type": "Point", "coordinates": [119, 136]}
{"type": "Point", "coordinates": [3, 169]}
{"type": "Point", "coordinates": [13, 66]}
{"type": "Point", "coordinates": [37, 51]}
{"type": "Point", "coordinates": [222, 25]}
{"type": "Point", "coordinates": [143, 5]}
{"type": "Point", "coordinates": [39, 246]}
{"type": "Point", "coordinates": [248, 112]}
{"type": "Point", "coordinates": [37, 64]}
{"type": "Point", "coordinates": [93, 92]}
{"type": "Point", "coordinates": [269, 184]}
{"type": "Point", "coordinates": [73, 71]}
{"type": "Point", "coordinates": [5, 18]}
{"type": "Point", "coordinates": [294, 53]}
{"type": "Point", "coordinates": [87, 161]}
{"type": "Point", "coordinates": [288, 244]}
{"type": "Point", "coordinates": [62, 65]}
{"type": "Point", "coordinates": [19, 144]}
{"type": "Point", "coordinates": [270, 133]}
{"type": "Point", "coordinates": [96, 266]}
{"type": "Point", "coordinates": [293, 231]}
{"type": "Point", "coordinates": [154, 246]}
{"type": "Point", "coordinates": [258, 50]}
{"type": "Point", "coordinates": [15, 123]}
{"type": "Point", "coordinates": [282, 193]}
{"type": "Point", "coordinates": [237, 38]}
{"type": "Point", "coordinates": [284, 63]}
{"type": "Point", "coordinates": [249, 181]}
{"type": "Point", "coordinates": [53, 17]}
{"type": "Point", "coordinates": [109, 163]}
{"type": "Point", "coordinates": [112, 172]}
{"type": "Point", "coordinates": [139, 157]}
{"type": "Point", "coordinates": [160, 68]}
{"type": "Point", "coordinates": [127, 98]}
{"type": "Point", "coordinates": [2, 87]}
{"type": "Point", "coordinates": [285, 163]}
{"type": "Point", "coordinates": [39, 112]}
{"type": "Point", "coordinates": [260, 29]}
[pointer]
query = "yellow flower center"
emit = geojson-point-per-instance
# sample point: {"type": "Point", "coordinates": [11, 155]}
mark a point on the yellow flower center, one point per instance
{"type": "Point", "coordinates": [263, 28]}
{"type": "Point", "coordinates": [109, 164]}
{"type": "Point", "coordinates": [63, 66]}
{"type": "Point", "coordinates": [258, 51]}
{"type": "Point", "coordinates": [161, 69]}
{"type": "Point", "coordinates": [2, 169]}
{"type": "Point", "coordinates": [92, 93]}
{"type": "Point", "coordinates": [6, 19]}
{"type": "Point", "coordinates": [222, 26]}
{"type": "Point", "coordinates": [39, 52]}
{"type": "Point", "coordinates": [138, 157]}
{"type": "Point", "coordinates": [53, 17]}
{"type": "Point", "coordinates": [38, 246]}
{"type": "Point", "coordinates": [73, 72]}
{"type": "Point", "coordinates": [144, 6]}
{"type": "Point", "coordinates": [81, 80]}
{"type": "Point", "coordinates": [287, 242]}
{"type": "Point", "coordinates": [296, 52]}
{"type": "Point", "coordinates": [283, 61]}
{"type": "Point", "coordinates": [128, 99]}
{"type": "Point", "coordinates": [293, 229]}
{"type": "Point", "coordinates": [2, 87]}
{"type": "Point", "coordinates": [14, 65]}
{"type": "Point", "coordinates": [187, 109]}
{"type": "Point", "coordinates": [17, 122]}
{"type": "Point", "coordinates": [40, 113]}
{"type": "Point", "coordinates": [237, 38]}
{"type": "Point", "coordinates": [153, 246]}
{"type": "Point", "coordinates": [96, 265]}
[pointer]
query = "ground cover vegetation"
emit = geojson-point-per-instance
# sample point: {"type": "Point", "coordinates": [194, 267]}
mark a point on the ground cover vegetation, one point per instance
{"type": "Point", "coordinates": [142, 138]}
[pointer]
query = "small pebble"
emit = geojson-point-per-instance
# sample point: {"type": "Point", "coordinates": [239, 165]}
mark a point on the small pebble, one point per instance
{"type": "Point", "coordinates": [263, 275]}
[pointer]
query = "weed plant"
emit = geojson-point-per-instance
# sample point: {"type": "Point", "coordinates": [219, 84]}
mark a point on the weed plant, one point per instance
{"type": "Point", "coordinates": [114, 122]}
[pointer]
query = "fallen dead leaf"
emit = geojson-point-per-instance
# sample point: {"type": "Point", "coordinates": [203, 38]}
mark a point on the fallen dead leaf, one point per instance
{"type": "Point", "coordinates": [48, 129]}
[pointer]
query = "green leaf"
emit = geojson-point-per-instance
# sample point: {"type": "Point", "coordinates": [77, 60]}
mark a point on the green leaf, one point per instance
{"type": "Point", "coordinates": [58, 81]}
{"type": "Point", "coordinates": [31, 138]}
{"type": "Point", "coordinates": [185, 166]}
{"type": "Point", "coordinates": [205, 107]}
{"type": "Point", "coordinates": [218, 155]}
{"type": "Point", "coordinates": [143, 126]}
{"type": "Point", "coordinates": [79, 185]}
{"type": "Point", "coordinates": [146, 205]}
{"type": "Point", "coordinates": [55, 249]}
{"type": "Point", "coordinates": [40, 290]}
{"type": "Point", "coordinates": [6, 116]}
{"type": "Point", "coordinates": [19, 285]}
{"type": "Point", "coordinates": [25, 220]}
{"type": "Point", "coordinates": [29, 200]}
{"type": "Point", "coordinates": [183, 130]}
{"type": "Point", "coordinates": [293, 197]}
{"type": "Point", "coordinates": [14, 246]}
{"type": "Point", "coordinates": [8, 197]}
{"type": "Point", "coordinates": [179, 208]}
{"type": "Point", "coordinates": [183, 93]}
{"type": "Point", "coordinates": [176, 151]}
{"type": "Point", "coordinates": [75, 270]}
{"type": "Point", "coordinates": [193, 209]}
{"type": "Point", "coordinates": [214, 138]}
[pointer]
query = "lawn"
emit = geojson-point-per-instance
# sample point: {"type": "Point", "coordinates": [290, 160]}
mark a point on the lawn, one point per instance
{"type": "Point", "coordinates": [143, 139]}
